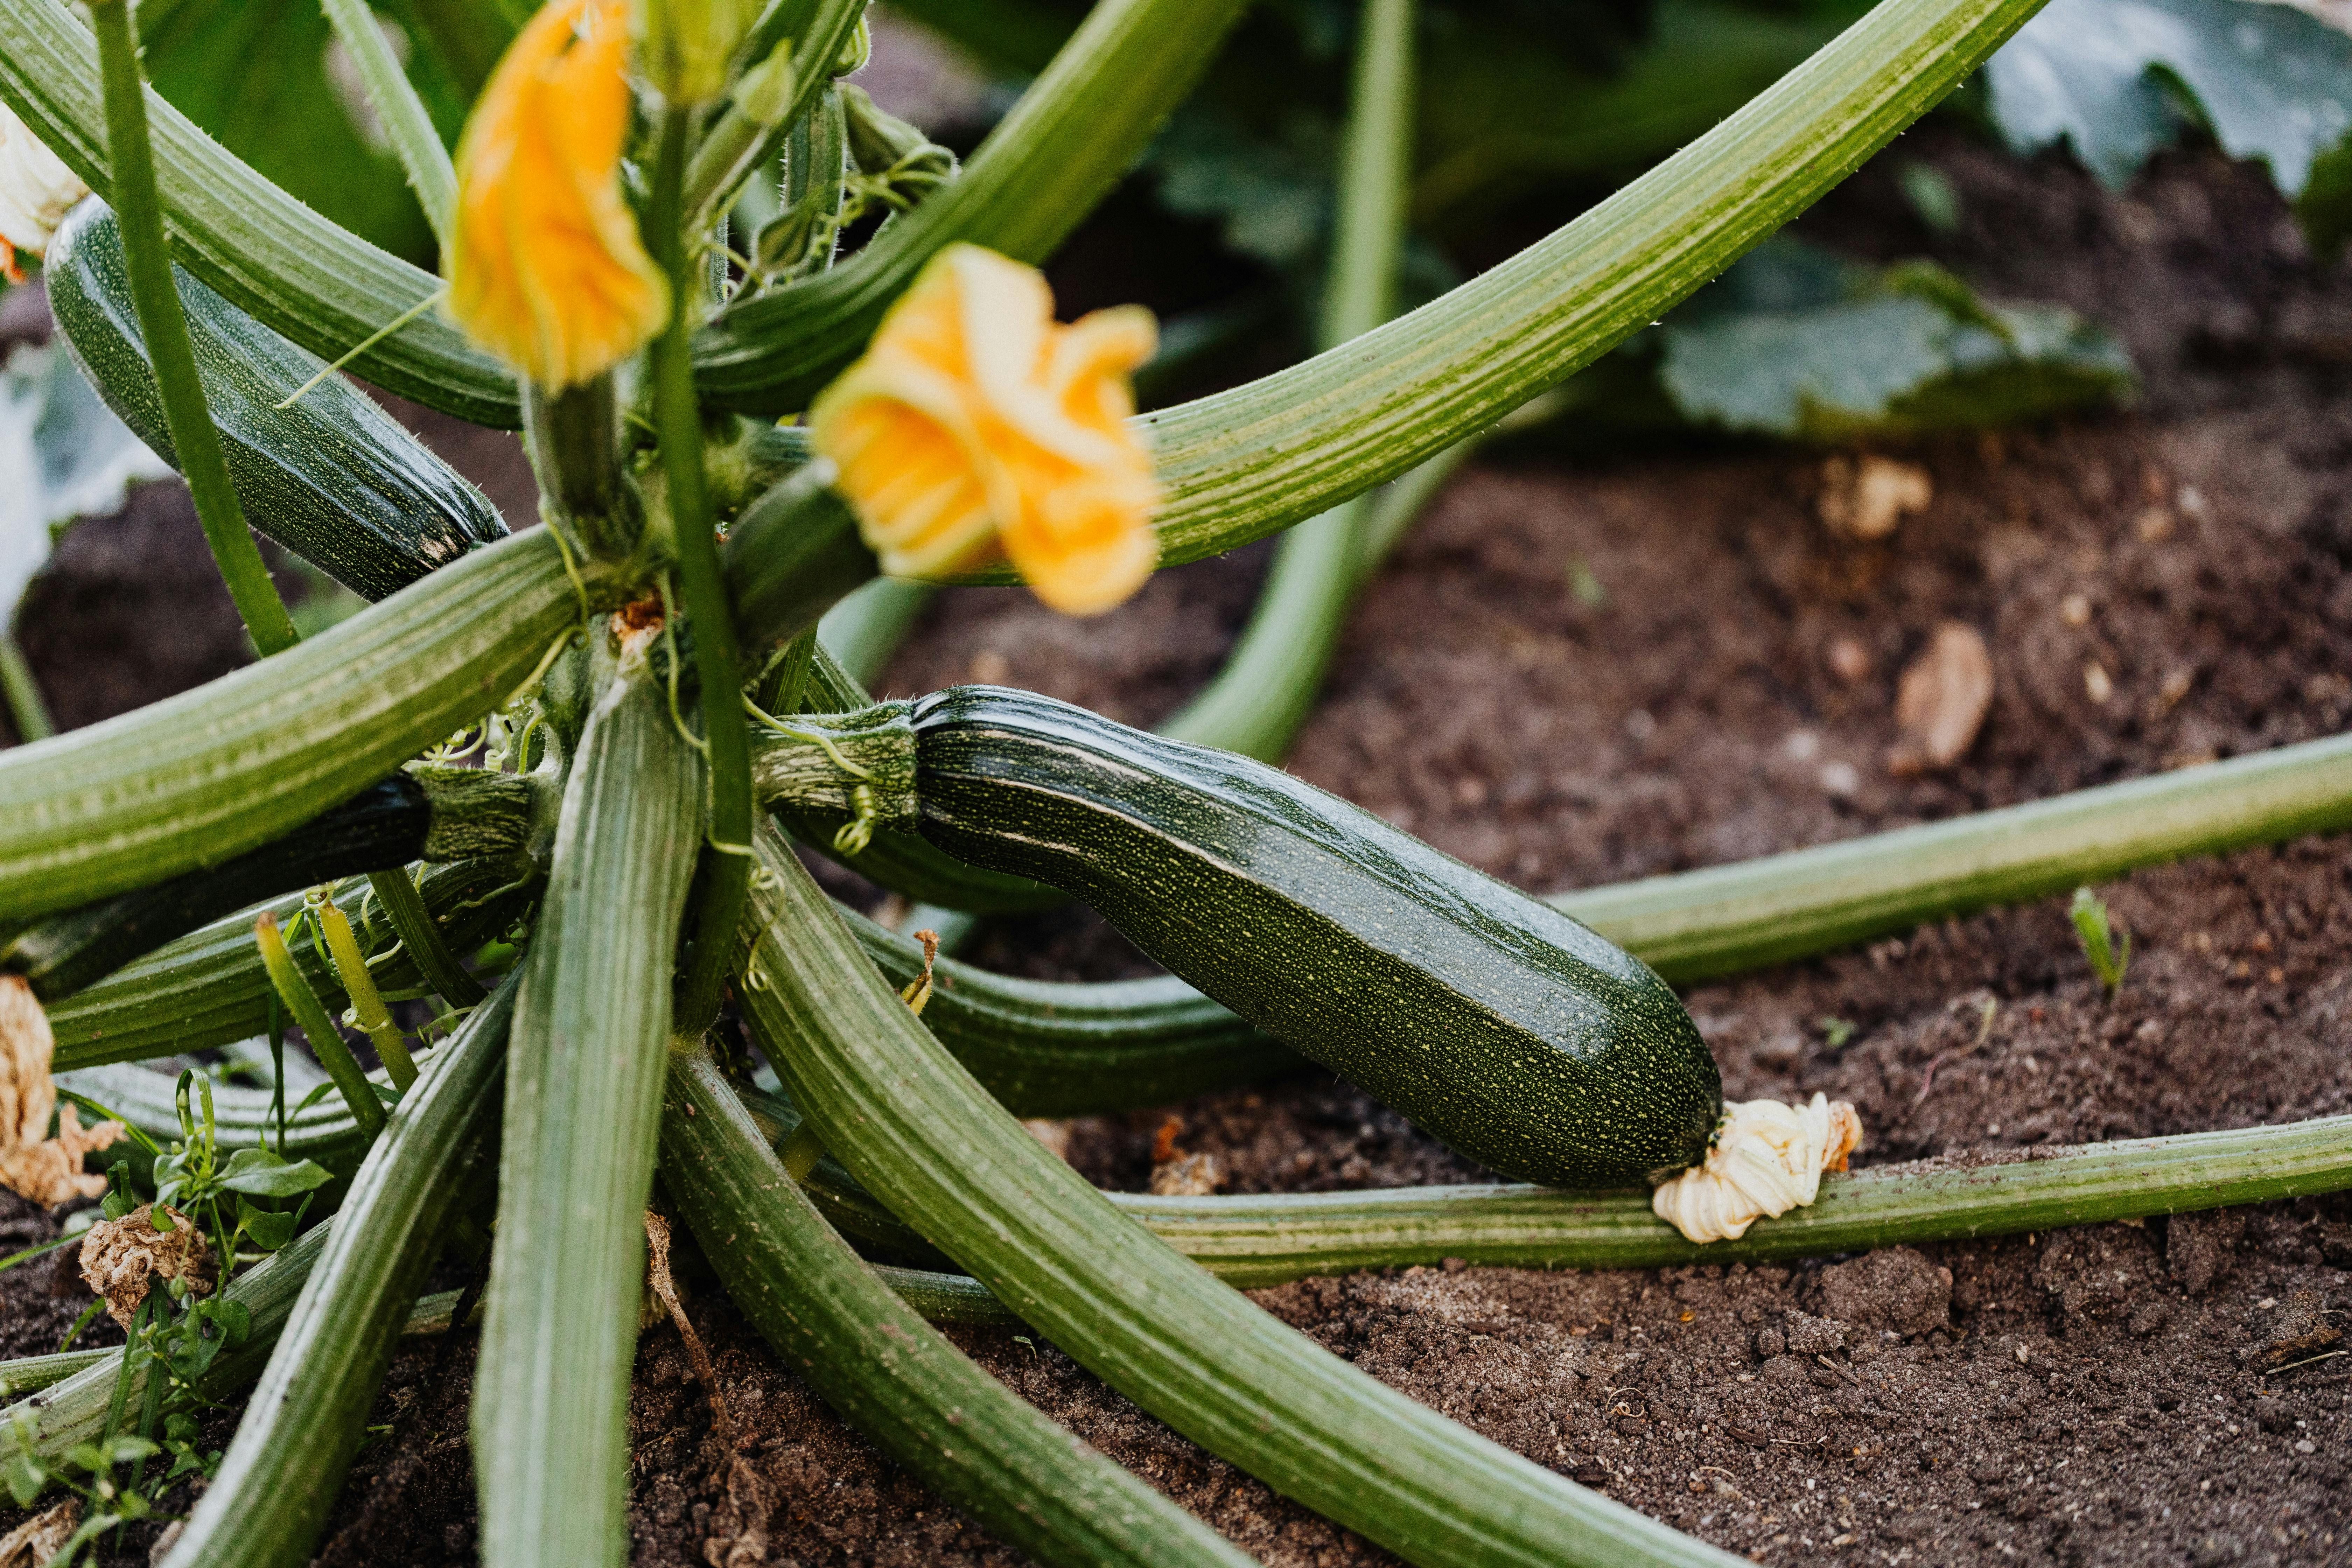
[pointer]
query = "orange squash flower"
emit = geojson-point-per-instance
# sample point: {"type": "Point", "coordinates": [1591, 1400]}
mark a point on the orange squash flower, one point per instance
{"type": "Point", "coordinates": [545, 266]}
{"type": "Point", "coordinates": [975, 428]}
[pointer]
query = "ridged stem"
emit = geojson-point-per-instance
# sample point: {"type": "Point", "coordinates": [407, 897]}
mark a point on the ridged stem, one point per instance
{"type": "Point", "coordinates": [914, 1127]}
{"type": "Point", "coordinates": [588, 1049]}
{"type": "Point", "coordinates": [405, 124]}
{"type": "Point", "coordinates": [1694, 925]}
{"type": "Point", "coordinates": [727, 858]}
{"type": "Point", "coordinates": [887, 1373]}
{"type": "Point", "coordinates": [270, 1499]}
{"type": "Point", "coordinates": [745, 136]}
{"type": "Point", "coordinates": [165, 329]}
{"type": "Point", "coordinates": [240, 761]}
{"type": "Point", "coordinates": [403, 907]}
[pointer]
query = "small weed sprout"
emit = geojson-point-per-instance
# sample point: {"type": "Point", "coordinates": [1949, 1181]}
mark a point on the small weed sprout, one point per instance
{"type": "Point", "coordinates": [1836, 1031]}
{"type": "Point", "coordinates": [2109, 958]}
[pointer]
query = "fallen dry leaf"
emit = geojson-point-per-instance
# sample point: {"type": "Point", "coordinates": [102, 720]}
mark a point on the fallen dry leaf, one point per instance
{"type": "Point", "coordinates": [1941, 701]}
{"type": "Point", "coordinates": [120, 1257]}
{"type": "Point", "coordinates": [46, 1169]}
{"type": "Point", "coordinates": [41, 1537]}
{"type": "Point", "coordinates": [1865, 496]}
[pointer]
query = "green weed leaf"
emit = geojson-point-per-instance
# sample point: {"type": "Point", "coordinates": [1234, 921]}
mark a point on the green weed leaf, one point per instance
{"type": "Point", "coordinates": [264, 1174]}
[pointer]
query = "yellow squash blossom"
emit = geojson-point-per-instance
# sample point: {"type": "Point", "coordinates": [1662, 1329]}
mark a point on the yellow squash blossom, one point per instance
{"type": "Point", "coordinates": [975, 426]}
{"type": "Point", "coordinates": [545, 267]}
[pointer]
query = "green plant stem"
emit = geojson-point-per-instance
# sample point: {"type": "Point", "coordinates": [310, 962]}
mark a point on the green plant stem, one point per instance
{"type": "Point", "coordinates": [584, 1071]}
{"type": "Point", "coordinates": [927, 1139]}
{"type": "Point", "coordinates": [271, 1497]}
{"type": "Point", "coordinates": [1076, 130]}
{"type": "Point", "coordinates": [367, 1004]}
{"type": "Point", "coordinates": [405, 124]}
{"type": "Point", "coordinates": [887, 1373]}
{"type": "Point", "coordinates": [26, 711]}
{"type": "Point", "coordinates": [326, 1040]}
{"type": "Point", "coordinates": [403, 907]}
{"type": "Point", "coordinates": [574, 437]}
{"type": "Point", "coordinates": [165, 329]}
{"type": "Point", "coordinates": [212, 772]}
{"type": "Point", "coordinates": [746, 135]}
{"type": "Point", "coordinates": [274, 257]}
{"type": "Point", "coordinates": [727, 861]}
{"type": "Point", "coordinates": [210, 988]}
{"type": "Point", "coordinates": [1694, 925]}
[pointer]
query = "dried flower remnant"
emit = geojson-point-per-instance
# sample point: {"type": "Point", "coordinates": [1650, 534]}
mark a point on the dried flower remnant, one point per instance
{"type": "Point", "coordinates": [546, 269]}
{"type": "Point", "coordinates": [37, 191]}
{"type": "Point", "coordinates": [1767, 1159]}
{"type": "Point", "coordinates": [122, 1258]}
{"type": "Point", "coordinates": [46, 1169]}
{"type": "Point", "coordinates": [975, 428]}
{"type": "Point", "coordinates": [34, 1543]}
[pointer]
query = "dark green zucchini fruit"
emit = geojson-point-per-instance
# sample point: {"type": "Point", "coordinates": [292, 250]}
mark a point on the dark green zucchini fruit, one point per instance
{"type": "Point", "coordinates": [333, 478]}
{"type": "Point", "coordinates": [1519, 1036]}
{"type": "Point", "coordinates": [425, 813]}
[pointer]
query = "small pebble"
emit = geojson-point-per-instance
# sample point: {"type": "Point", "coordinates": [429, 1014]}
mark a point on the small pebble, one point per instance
{"type": "Point", "coordinates": [2074, 609]}
{"type": "Point", "coordinates": [2097, 684]}
{"type": "Point", "coordinates": [1848, 660]}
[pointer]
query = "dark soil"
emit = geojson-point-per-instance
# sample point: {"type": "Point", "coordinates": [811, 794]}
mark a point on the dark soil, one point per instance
{"type": "Point", "coordinates": [2108, 1395]}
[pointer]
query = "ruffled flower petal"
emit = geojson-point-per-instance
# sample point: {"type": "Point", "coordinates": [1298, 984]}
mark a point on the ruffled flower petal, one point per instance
{"type": "Point", "coordinates": [1767, 1159]}
{"type": "Point", "coordinates": [37, 191]}
{"type": "Point", "coordinates": [975, 428]}
{"type": "Point", "coordinates": [545, 267]}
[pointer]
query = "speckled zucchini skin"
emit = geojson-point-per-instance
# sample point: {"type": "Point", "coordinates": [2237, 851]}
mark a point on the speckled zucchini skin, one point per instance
{"type": "Point", "coordinates": [335, 479]}
{"type": "Point", "coordinates": [1516, 1035]}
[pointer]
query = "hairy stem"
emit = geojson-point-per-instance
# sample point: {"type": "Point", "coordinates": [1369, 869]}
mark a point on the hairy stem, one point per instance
{"type": "Point", "coordinates": [405, 124]}
{"type": "Point", "coordinates": [165, 327]}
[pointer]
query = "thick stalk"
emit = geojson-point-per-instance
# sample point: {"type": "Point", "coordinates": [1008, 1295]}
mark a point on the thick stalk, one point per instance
{"type": "Point", "coordinates": [245, 759]}
{"type": "Point", "coordinates": [927, 1139]}
{"type": "Point", "coordinates": [274, 257]}
{"type": "Point", "coordinates": [590, 1041]}
{"type": "Point", "coordinates": [727, 859]}
{"type": "Point", "coordinates": [890, 1374]}
{"type": "Point", "coordinates": [1073, 134]}
{"type": "Point", "coordinates": [271, 1497]}
{"type": "Point", "coordinates": [747, 133]}
{"type": "Point", "coordinates": [1694, 925]}
{"type": "Point", "coordinates": [1268, 684]}
{"type": "Point", "coordinates": [209, 988]}
{"type": "Point", "coordinates": [403, 907]}
{"type": "Point", "coordinates": [405, 124]}
{"type": "Point", "coordinates": [165, 329]}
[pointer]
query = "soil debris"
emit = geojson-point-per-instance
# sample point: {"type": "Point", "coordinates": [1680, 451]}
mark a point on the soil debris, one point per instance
{"type": "Point", "coordinates": [32, 1543]}
{"type": "Point", "coordinates": [1864, 498]}
{"type": "Point", "coordinates": [1942, 700]}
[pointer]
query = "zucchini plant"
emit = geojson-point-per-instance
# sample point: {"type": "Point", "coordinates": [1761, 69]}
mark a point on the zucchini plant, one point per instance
{"type": "Point", "coordinates": [537, 792]}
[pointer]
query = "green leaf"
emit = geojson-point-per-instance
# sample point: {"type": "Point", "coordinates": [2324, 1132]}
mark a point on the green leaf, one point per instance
{"type": "Point", "coordinates": [1912, 350]}
{"type": "Point", "coordinates": [2273, 83]}
{"type": "Point", "coordinates": [67, 457]}
{"type": "Point", "coordinates": [24, 1478]}
{"type": "Point", "coordinates": [269, 1231]}
{"type": "Point", "coordinates": [129, 1447]}
{"type": "Point", "coordinates": [264, 1174]}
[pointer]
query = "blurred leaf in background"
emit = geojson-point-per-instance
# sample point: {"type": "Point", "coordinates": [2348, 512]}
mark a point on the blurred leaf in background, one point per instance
{"type": "Point", "coordinates": [2119, 79]}
{"type": "Point", "coordinates": [63, 454]}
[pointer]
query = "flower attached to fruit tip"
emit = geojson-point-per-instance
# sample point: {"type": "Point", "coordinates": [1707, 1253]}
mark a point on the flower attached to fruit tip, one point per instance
{"type": "Point", "coordinates": [545, 266]}
{"type": "Point", "coordinates": [976, 429]}
{"type": "Point", "coordinates": [37, 191]}
{"type": "Point", "coordinates": [1767, 1159]}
